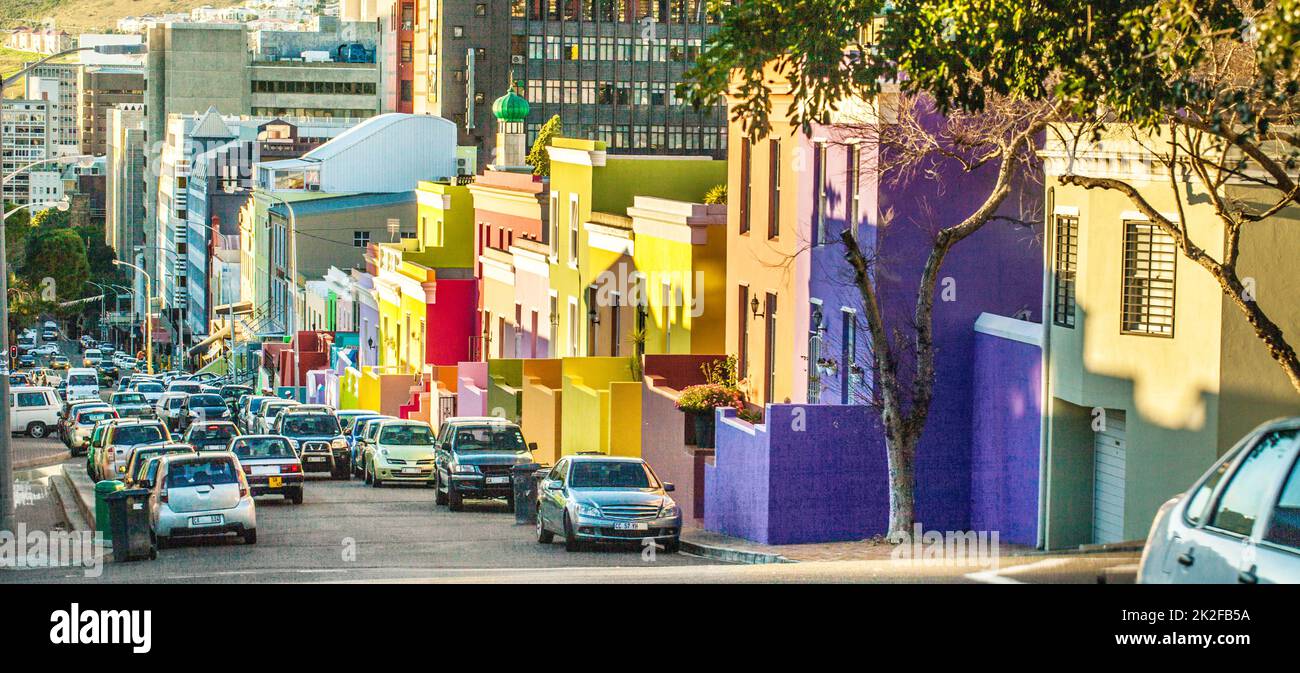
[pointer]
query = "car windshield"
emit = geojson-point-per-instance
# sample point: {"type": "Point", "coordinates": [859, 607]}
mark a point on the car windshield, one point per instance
{"type": "Point", "coordinates": [489, 438]}
{"type": "Point", "coordinates": [310, 424]}
{"type": "Point", "coordinates": [149, 387]}
{"type": "Point", "coordinates": [406, 435]}
{"type": "Point", "coordinates": [186, 387]}
{"type": "Point", "coordinates": [207, 401]}
{"type": "Point", "coordinates": [609, 474]}
{"type": "Point", "coordinates": [82, 380]}
{"type": "Point", "coordinates": [91, 417]}
{"type": "Point", "coordinates": [222, 431]}
{"type": "Point", "coordinates": [137, 434]}
{"type": "Point", "coordinates": [201, 473]}
{"type": "Point", "coordinates": [128, 398]}
{"type": "Point", "coordinates": [263, 447]}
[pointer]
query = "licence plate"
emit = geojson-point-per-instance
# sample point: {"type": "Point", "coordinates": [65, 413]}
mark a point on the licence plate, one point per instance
{"type": "Point", "coordinates": [210, 520]}
{"type": "Point", "coordinates": [275, 482]}
{"type": "Point", "coordinates": [628, 525]}
{"type": "Point", "coordinates": [410, 470]}
{"type": "Point", "coordinates": [315, 459]}
{"type": "Point", "coordinates": [264, 470]}
{"type": "Point", "coordinates": [498, 480]}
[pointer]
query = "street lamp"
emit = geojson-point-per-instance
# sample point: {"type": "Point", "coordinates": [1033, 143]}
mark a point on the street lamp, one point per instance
{"type": "Point", "coordinates": [148, 313]}
{"type": "Point", "coordinates": [82, 160]}
{"type": "Point", "coordinates": [6, 457]}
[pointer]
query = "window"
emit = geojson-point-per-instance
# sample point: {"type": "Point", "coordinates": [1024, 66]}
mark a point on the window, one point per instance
{"type": "Point", "coordinates": [1064, 267]}
{"type": "Point", "coordinates": [555, 224]}
{"type": "Point", "coordinates": [746, 150]}
{"type": "Point", "coordinates": [360, 239]}
{"type": "Point", "coordinates": [774, 189]}
{"type": "Point", "coordinates": [1242, 501]}
{"type": "Point", "coordinates": [573, 229]}
{"type": "Point", "coordinates": [819, 194]}
{"type": "Point", "coordinates": [848, 351]}
{"type": "Point", "coordinates": [1284, 525]}
{"type": "Point", "coordinates": [851, 197]}
{"type": "Point", "coordinates": [742, 333]}
{"type": "Point", "coordinates": [573, 326]}
{"type": "Point", "coordinates": [1149, 264]}
{"type": "Point", "coordinates": [769, 358]}
{"type": "Point", "coordinates": [1196, 505]}
{"type": "Point", "coordinates": [31, 399]}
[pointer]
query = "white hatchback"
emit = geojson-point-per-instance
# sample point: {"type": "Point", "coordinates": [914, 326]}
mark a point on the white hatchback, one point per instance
{"type": "Point", "coordinates": [205, 494]}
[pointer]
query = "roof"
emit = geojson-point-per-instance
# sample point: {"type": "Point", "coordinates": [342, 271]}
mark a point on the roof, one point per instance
{"type": "Point", "coordinates": [349, 202]}
{"type": "Point", "coordinates": [361, 132]}
{"type": "Point", "coordinates": [211, 126]}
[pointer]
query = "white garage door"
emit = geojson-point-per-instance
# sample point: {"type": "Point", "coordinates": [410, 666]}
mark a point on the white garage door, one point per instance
{"type": "Point", "coordinates": [1109, 449]}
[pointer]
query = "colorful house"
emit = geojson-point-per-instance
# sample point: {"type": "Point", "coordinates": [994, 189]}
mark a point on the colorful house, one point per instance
{"type": "Point", "coordinates": [1151, 372]}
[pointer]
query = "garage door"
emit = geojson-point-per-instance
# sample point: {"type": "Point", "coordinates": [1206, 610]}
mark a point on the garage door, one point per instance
{"type": "Point", "coordinates": [1109, 449]}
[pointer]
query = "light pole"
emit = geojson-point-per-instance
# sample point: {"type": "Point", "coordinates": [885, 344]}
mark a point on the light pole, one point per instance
{"type": "Point", "coordinates": [148, 313]}
{"type": "Point", "coordinates": [6, 447]}
{"type": "Point", "coordinates": [83, 160]}
{"type": "Point", "coordinates": [292, 252]}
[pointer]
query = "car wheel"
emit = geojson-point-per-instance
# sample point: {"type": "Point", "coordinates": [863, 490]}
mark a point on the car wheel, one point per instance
{"type": "Point", "coordinates": [439, 498]}
{"type": "Point", "coordinates": [36, 430]}
{"type": "Point", "coordinates": [296, 498]}
{"type": "Point", "coordinates": [161, 541]}
{"type": "Point", "coordinates": [250, 536]}
{"type": "Point", "coordinates": [375, 481]}
{"type": "Point", "coordinates": [510, 505]}
{"type": "Point", "coordinates": [673, 546]}
{"type": "Point", "coordinates": [571, 543]}
{"type": "Point", "coordinates": [455, 502]}
{"type": "Point", "coordinates": [543, 536]}
{"type": "Point", "coordinates": [365, 473]}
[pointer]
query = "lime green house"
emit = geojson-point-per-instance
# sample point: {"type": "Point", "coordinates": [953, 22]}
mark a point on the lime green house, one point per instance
{"type": "Point", "coordinates": [1150, 372]}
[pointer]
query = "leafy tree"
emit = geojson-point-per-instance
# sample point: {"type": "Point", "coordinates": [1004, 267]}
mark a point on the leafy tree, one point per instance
{"type": "Point", "coordinates": [537, 156]}
{"type": "Point", "coordinates": [58, 254]}
{"type": "Point", "coordinates": [16, 228]}
{"type": "Point", "coordinates": [51, 218]}
{"type": "Point", "coordinates": [717, 194]}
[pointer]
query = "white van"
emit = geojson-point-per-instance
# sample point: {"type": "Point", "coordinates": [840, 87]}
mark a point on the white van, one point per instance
{"type": "Point", "coordinates": [92, 357]}
{"type": "Point", "coordinates": [83, 383]}
{"type": "Point", "coordinates": [33, 410]}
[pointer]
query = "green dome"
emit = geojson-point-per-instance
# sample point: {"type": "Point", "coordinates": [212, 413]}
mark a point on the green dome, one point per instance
{"type": "Point", "coordinates": [510, 108]}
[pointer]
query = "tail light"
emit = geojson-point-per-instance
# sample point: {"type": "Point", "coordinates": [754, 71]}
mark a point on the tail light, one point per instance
{"type": "Point", "coordinates": [248, 469]}
{"type": "Point", "coordinates": [243, 490]}
{"type": "Point", "coordinates": [162, 497]}
{"type": "Point", "coordinates": [292, 468]}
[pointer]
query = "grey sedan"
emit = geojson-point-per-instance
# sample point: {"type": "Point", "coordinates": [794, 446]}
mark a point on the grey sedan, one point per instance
{"type": "Point", "coordinates": [596, 498]}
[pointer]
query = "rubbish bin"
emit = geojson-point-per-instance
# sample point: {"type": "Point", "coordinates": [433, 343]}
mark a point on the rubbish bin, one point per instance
{"type": "Point", "coordinates": [128, 515]}
{"type": "Point", "coordinates": [525, 492]}
{"type": "Point", "coordinates": [102, 489]}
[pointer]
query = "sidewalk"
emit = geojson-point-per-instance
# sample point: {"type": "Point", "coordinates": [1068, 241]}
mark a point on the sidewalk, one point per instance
{"type": "Point", "coordinates": [696, 540]}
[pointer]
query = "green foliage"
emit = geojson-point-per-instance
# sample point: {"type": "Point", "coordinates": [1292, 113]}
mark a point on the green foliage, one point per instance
{"type": "Point", "coordinates": [537, 156]}
{"type": "Point", "coordinates": [717, 194]}
{"type": "Point", "coordinates": [101, 256]}
{"type": "Point", "coordinates": [709, 396]}
{"type": "Point", "coordinates": [51, 218]}
{"type": "Point", "coordinates": [720, 372]}
{"type": "Point", "coordinates": [17, 227]}
{"type": "Point", "coordinates": [59, 254]}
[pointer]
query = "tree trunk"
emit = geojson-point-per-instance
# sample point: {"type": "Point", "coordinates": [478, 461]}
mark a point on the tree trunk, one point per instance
{"type": "Point", "coordinates": [901, 454]}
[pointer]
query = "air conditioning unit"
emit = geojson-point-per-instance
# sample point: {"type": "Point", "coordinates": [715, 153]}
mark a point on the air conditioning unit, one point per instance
{"type": "Point", "coordinates": [516, 59]}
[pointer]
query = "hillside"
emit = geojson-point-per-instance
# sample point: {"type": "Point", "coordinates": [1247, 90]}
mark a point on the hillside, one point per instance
{"type": "Point", "coordinates": [79, 16]}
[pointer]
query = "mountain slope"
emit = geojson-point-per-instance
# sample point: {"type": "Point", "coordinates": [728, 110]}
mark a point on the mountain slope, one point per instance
{"type": "Point", "coordinates": [77, 16]}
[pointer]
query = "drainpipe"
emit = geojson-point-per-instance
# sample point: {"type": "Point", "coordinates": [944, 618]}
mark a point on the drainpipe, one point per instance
{"type": "Point", "coordinates": [1045, 388]}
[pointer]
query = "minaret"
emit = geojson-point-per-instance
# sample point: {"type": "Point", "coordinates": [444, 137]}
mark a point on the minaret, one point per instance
{"type": "Point", "coordinates": [512, 141]}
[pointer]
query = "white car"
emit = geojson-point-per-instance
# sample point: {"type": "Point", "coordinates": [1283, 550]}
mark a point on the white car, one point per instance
{"type": "Point", "coordinates": [152, 390]}
{"type": "Point", "coordinates": [1239, 523]}
{"type": "Point", "coordinates": [33, 410]}
{"type": "Point", "coordinates": [92, 357]}
{"type": "Point", "coordinates": [204, 494]}
{"type": "Point", "coordinates": [83, 383]}
{"type": "Point", "coordinates": [45, 350]}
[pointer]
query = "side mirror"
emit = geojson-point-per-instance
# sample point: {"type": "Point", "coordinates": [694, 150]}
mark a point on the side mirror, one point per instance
{"type": "Point", "coordinates": [532, 446]}
{"type": "Point", "coordinates": [669, 487]}
{"type": "Point", "coordinates": [554, 486]}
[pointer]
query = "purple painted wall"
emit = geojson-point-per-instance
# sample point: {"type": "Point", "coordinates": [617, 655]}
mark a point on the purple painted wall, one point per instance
{"type": "Point", "coordinates": [1005, 438]}
{"type": "Point", "coordinates": [811, 473]}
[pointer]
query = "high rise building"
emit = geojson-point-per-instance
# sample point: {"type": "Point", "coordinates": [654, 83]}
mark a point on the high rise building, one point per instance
{"type": "Point", "coordinates": [57, 83]}
{"type": "Point", "coordinates": [608, 68]}
{"type": "Point", "coordinates": [102, 89]}
{"type": "Point", "coordinates": [26, 138]}
{"type": "Point", "coordinates": [124, 150]}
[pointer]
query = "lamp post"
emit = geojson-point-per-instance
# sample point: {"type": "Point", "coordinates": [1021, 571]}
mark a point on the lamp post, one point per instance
{"type": "Point", "coordinates": [6, 446]}
{"type": "Point", "coordinates": [148, 313]}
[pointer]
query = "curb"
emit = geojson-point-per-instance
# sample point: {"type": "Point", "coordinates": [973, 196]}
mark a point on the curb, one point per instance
{"type": "Point", "coordinates": [83, 491]}
{"type": "Point", "coordinates": [46, 461]}
{"type": "Point", "coordinates": [730, 555]}
{"type": "Point", "coordinates": [65, 492]}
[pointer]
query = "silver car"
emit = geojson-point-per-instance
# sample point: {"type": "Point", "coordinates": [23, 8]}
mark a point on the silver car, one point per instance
{"type": "Point", "coordinates": [1239, 523]}
{"type": "Point", "coordinates": [597, 498]}
{"type": "Point", "coordinates": [204, 494]}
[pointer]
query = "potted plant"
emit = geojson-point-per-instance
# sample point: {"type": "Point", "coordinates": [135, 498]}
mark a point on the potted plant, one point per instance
{"type": "Point", "coordinates": [698, 403]}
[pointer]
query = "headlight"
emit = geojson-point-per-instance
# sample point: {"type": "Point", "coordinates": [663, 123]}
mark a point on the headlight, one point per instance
{"type": "Point", "coordinates": [588, 509]}
{"type": "Point", "coordinates": [339, 443]}
{"type": "Point", "coordinates": [669, 508]}
{"type": "Point", "coordinates": [465, 469]}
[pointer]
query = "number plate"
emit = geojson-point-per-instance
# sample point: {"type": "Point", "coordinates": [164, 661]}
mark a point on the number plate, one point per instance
{"type": "Point", "coordinates": [264, 470]}
{"type": "Point", "coordinates": [315, 459]}
{"type": "Point", "coordinates": [410, 470]}
{"type": "Point", "coordinates": [498, 480]}
{"type": "Point", "coordinates": [628, 525]}
{"type": "Point", "coordinates": [210, 520]}
{"type": "Point", "coordinates": [275, 482]}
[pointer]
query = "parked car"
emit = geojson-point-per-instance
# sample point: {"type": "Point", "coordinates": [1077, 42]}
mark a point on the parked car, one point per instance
{"type": "Point", "coordinates": [353, 436]}
{"type": "Point", "coordinates": [67, 415]}
{"type": "Point", "coordinates": [475, 457]}
{"type": "Point", "coordinates": [315, 436]}
{"type": "Point", "coordinates": [141, 455]}
{"type": "Point", "coordinates": [271, 465]}
{"type": "Point", "coordinates": [232, 394]}
{"type": "Point", "coordinates": [365, 434]}
{"type": "Point", "coordinates": [33, 410]}
{"type": "Point", "coordinates": [83, 383]}
{"type": "Point", "coordinates": [132, 404]}
{"type": "Point", "coordinates": [402, 452]}
{"type": "Point", "coordinates": [203, 494]}
{"type": "Point", "coordinates": [121, 439]}
{"type": "Point", "coordinates": [169, 408]}
{"type": "Point", "coordinates": [45, 350]}
{"type": "Point", "coordinates": [210, 436]}
{"type": "Point", "coordinates": [247, 408]}
{"type": "Point", "coordinates": [265, 422]}
{"type": "Point", "coordinates": [349, 416]}
{"type": "Point", "coordinates": [152, 390]}
{"type": "Point", "coordinates": [1239, 523]}
{"type": "Point", "coordinates": [188, 387]}
{"type": "Point", "coordinates": [98, 439]}
{"type": "Point", "coordinates": [598, 498]}
{"type": "Point", "coordinates": [201, 408]}
{"type": "Point", "coordinates": [83, 423]}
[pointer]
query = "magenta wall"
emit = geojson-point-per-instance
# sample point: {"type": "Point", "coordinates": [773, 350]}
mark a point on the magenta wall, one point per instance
{"type": "Point", "coordinates": [450, 322]}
